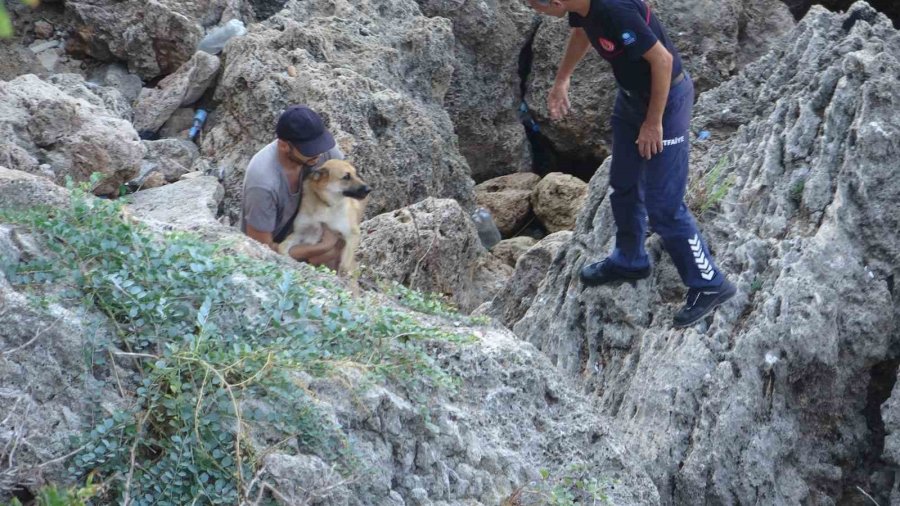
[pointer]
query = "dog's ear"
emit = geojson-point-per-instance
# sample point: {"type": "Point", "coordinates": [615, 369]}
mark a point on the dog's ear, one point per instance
{"type": "Point", "coordinates": [316, 174]}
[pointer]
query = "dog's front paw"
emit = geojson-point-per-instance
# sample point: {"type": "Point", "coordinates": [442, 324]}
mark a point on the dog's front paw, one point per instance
{"type": "Point", "coordinates": [284, 248]}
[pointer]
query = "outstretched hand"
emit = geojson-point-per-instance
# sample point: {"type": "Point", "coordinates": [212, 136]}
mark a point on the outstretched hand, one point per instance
{"type": "Point", "coordinates": [558, 101]}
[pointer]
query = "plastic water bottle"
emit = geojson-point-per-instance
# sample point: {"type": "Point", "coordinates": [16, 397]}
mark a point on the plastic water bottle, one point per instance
{"type": "Point", "coordinates": [216, 39]}
{"type": "Point", "coordinates": [526, 119]}
{"type": "Point", "coordinates": [199, 120]}
{"type": "Point", "coordinates": [487, 230]}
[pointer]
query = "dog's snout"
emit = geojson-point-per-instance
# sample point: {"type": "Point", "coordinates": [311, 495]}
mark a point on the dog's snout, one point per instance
{"type": "Point", "coordinates": [366, 189]}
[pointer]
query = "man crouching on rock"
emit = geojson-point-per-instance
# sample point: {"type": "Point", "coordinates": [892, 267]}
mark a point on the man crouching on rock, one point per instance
{"type": "Point", "coordinates": [651, 143]}
{"type": "Point", "coordinates": [273, 182]}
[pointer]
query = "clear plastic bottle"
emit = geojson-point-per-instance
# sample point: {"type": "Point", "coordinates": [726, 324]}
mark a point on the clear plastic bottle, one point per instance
{"type": "Point", "coordinates": [487, 230]}
{"type": "Point", "coordinates": [216, 39]}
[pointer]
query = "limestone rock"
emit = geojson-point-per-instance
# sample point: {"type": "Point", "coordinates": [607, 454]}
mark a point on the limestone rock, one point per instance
{"type": "Point", "coordinates": [179, 124]}
{"type": "Point", "coordinates": [171, 158]}
{"type": "Point", "coordinates": [557, 200]}
{"type": "Point", "coordinates": [485, 91]}
{"type": "Point", "coordinates": [75, 136]}
{"type": "Point", "coordinates": [510, 250]}
{"type": "Point", "coordinates": [156, 105]}
{"type": "Point", "coordinates": [155, 37]}
{"type": "Point", "coordinates": [21, 190]}
{"type": "Point", "coordinates": [431, 246]}
{"type": "Point", "coordinates": [715, 39]}
{"type": "Point", "coordinates": [508, 198]}
{"type": "Point", "coordinates": [184, 205]}
{"type": "Point", "coordinates": [43, 29]}
{"type": "Point", "coordinates": [513, 300]}
{"type": "Point", "coordinates": [117, 76]}
{"type": "Point", "coordinates": [376, 70]}
{"type": "Point", "coordinates": [774, 399]}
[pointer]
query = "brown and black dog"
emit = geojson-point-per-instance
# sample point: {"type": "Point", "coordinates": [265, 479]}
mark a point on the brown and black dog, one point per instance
{"type": "Point", "coordinates": [335, 196]}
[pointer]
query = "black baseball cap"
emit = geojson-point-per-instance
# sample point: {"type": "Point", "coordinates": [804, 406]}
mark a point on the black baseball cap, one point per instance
{"type": "Point", "coordinates": [305, 130]}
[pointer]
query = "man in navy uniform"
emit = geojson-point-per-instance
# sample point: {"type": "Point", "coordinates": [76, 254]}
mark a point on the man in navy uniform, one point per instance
{"type": "Point", "coordinates": [651, 143]}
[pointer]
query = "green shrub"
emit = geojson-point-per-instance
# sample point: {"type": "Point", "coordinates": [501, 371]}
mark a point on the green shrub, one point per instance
{"type": "Point", "coordinates": [207, 332]}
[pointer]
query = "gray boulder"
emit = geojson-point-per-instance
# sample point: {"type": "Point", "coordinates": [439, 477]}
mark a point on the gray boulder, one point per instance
{"type": "Point", "coordinates": [171, 158]}
{"type": "Point", "coordinates": [432, 246]}
{"type": "Point", "coordinates": [155, 106]}
{"type": "Point", "coordinates": [46, 130]}
{"type": "Point", "coordinates": [774, 399]}
{"type": "Point", "coordinates": [531, 267]}
{"type": "Point", "coordinates": [485, 91]}
{"type": "Point", "coordinates": [154, 37]}
{"type": "Point", "coordinates": [377, 71]}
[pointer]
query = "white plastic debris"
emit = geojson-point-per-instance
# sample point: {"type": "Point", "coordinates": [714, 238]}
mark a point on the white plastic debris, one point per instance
{"type": "Point", "coordinates": [216, 39]}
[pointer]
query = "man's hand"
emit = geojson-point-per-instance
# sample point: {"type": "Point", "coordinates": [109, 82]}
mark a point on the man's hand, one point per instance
{"type": "Point", "coordinates": [329, 238]}
{"type": "Point", "coordinates": [558, 100]}
{"type": "Point", "coordinates": [650, 140]}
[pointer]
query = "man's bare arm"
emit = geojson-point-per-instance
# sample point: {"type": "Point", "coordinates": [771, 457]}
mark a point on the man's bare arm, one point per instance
{"type": "Point", "coordinates": [263, 237]}
{"type": "Point", "coordinates": [650, 140]}
{"type": "Point", "coordinates": [576, 48]}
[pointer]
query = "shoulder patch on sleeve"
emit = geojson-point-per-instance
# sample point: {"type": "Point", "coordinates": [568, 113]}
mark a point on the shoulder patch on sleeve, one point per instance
{"type": "Point", "coordinates": [628, 37]}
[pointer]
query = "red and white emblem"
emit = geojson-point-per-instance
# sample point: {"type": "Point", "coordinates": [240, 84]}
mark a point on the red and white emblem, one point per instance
{"type": "Point", "coordinates": [607, 45]}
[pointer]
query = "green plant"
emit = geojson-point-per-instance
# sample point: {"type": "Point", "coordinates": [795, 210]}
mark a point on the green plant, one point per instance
{"type": "Point", "coordinates": [756, 285]}
{"type": "Point", "coordinates": [75, 496]}
{"type": "Point", "coordinates": [217, 342]}
{"type": "Point", "coordinates": [570, 487]}
{"type": "Point", "coordinates": [797, 191]}
{"type": "Point", "coordinates": [6, 28]}
{"type": "Point", "coordinates": [429, 303]}
{"type": "Point", "coordinates": [707, 192]}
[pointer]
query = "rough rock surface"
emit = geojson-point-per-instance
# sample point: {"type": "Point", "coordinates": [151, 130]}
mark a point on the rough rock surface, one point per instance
{"type": "Point", "coordinates": [156, 105]}
{"type": "Point", "coordinates": [432, 246]}
{"type": "Point", "coordinates": [186, 205]}
{"type": "Point", "coordinates": [715, 39]}
{"type": "Point", "coordinates": [155, 37]}
{"type": "Point", "coordinates": [513, 300]}
{"type": "Point", "coordinates": [376, 70]}
{"type": "Point", "coordinates": [117, 76]}
{"type": "Point", "coordinates": [61, 130]}
{"type": "Point", "coordinates": [47, 395]}
{"type": "Point", "coordinates": [485, 91]}
{"type": "Point", "coordinates": [775, 399]}
{"type": "Point", "coordinates": [511, 415]}
{"type": "Point", "coordinates": [509, 250]}
{"type": "Point", "coordinates": [508, 198]}
{"type": "Point", "coordinates": [557, 200]}
{"type": "Point", "coordinates": [171, 158]}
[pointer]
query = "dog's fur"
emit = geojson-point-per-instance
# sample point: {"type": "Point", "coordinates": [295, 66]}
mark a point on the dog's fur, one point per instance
{"type": "Point", "coordinates": [335, 196]}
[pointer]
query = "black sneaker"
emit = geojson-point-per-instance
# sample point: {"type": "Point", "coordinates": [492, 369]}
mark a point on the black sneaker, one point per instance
{"type": "Point", "coordinates": [603, 272]}
{"type": "Point", "coordinates": [702, 301]}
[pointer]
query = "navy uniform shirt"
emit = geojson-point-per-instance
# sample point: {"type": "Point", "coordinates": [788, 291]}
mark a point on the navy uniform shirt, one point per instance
{"type": "Point", "coordinates": [622, 31]}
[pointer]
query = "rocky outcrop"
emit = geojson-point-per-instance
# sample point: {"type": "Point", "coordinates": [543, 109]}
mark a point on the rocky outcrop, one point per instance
{"type": "Point", "coordinates": [432, 246]}
{"type": "Point", "coordinates": [61, 128]}
{"type": "Point", "coordinates": [557, 200]}
{"type": "Point", "coordinates": [508, 198]}
{"type": "Point", "coordinates": [513, 300]}
{"type": "Point", "coordinates": [154, 37]}
{"type": "Point", "coordinates": [509, 418]}
{"type": "Point", "coordinates": [190, 205]}
{"type": "Point", "coordinates": [171, 158]}
{"type": "Point", "coordinates": [377, 71]}
{"type": "Point", "coordinates": [485, 91]}
{"type": "Point", "coordinates": [510, 250]}
{"type": "Point", "coordinates": [156, 105]}
{"type": "Point", "coordinates": [715, 38]}
{"type": "Point", "coordinates": [776, 398]}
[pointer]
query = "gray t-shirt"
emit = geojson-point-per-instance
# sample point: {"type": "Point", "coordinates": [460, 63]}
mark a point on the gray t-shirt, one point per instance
{"type": "Point", "coordinates": [267, 203]}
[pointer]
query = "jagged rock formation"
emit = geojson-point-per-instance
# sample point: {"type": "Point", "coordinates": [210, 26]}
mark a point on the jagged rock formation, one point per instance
{"type": "Point", "coordinates": [154, 37]}
{"type": "Point", "coordinates": [715, 38]}
{"type": "Point", "coordinates": [775, 399]}
{"type": "Point", "coordinates": [377, 70]}
{"type": "Point", "coordinates": [185, 86]}
{"type": "Point", "coordinates": [434, 247]}
{"type": "Point", "coordinates": [511, 415]}
{"type": "Point", "coordinates": [484, 93]}
{"type": "Point", "coordinates": [61, 128]}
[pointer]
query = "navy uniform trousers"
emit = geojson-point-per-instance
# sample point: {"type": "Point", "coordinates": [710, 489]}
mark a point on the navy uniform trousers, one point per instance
{"type": "Point", "coordinates": [654, 189]}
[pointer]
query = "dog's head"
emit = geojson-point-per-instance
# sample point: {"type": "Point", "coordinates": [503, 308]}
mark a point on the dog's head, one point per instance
{"type": "Point", "coordinates": [336, 178]}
